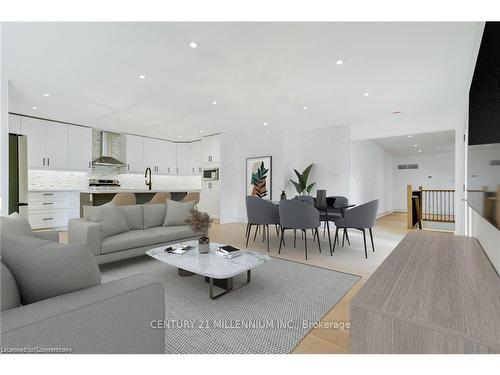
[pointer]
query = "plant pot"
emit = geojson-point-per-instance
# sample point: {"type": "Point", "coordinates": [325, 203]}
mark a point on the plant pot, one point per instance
{"type": "Point", "coordinates": [283, 195]}
{"type": "Point", "coordinates": [204, 245]}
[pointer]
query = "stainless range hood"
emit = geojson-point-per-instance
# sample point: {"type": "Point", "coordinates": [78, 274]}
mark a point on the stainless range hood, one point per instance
{"type": "Point", "coordinates": [106, 148]}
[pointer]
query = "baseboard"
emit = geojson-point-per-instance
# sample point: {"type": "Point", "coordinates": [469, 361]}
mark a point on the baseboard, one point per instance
{"type": "Point", "coordinates": [385, 213]}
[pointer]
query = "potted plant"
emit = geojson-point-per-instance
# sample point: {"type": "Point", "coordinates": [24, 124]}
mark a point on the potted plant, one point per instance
{"type": "Point", "coordinates": [199, 222]}
{"type": "Point", "coordinates": [301, 185]}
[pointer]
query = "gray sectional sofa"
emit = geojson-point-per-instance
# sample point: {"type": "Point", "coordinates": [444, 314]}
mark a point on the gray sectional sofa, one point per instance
{"type": "Point", "coordinates": [117, 232]}
{"type": "Point", "coordinates": [52, 299]}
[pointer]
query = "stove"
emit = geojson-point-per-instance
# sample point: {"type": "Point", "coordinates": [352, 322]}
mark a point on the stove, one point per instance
{"type": "Point", "coordinates": [96, 183]}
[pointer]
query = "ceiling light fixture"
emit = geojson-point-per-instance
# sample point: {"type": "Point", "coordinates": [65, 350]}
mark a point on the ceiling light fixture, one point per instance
{"type": "Point", "coordinates": [419, 150]}
{"type": "Point", "coordinates": [396, 113]}
{"type": "Point", "coordinates": [142, 76]}
{"type": "Point", "coordinates": [214, 102]}
{"type": "Point", "coordinates": [46, 95]}
{"type": "Point", "coordinates": [304, 108]}
{"type": "Point", "coordinates": [409, 136]}
{"type": "Point", "coordinates": [366, 94]}
{"type": "Point", "coordinates": [415, 145]}
{"type": "Point", "coordinates": [193, 45]}
{"type": "Point", "coordinates": [265, 124]}
{"type": "Point", "coordinates": [340, 62]}
{"type": "Point", "coordinates": [179, 136]}
{"type": "Point", "coordinates": [202, 131]}
{"type": "Point", "coordinates": [35, 108]}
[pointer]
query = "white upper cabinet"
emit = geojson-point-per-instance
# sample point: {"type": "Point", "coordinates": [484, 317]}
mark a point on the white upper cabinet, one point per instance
{"type": "Point", "coordinates": [47, 143]}
{"type": "Point", "coordinates": [35, 130]}
{"type": "Point", "coordinates": [56, 145]}
{"type": "Point", "coordinates": [79, 148]}
{"type": "Point", "coordinates": [155, 155]}
{"type": "Point", "coordinates": [171, 152]}
{"type": "Point", "coordinates": [184, 159]}
{"type": "Point", "coordinates": [134, 153]}
{"type": "Point", "coordinates": [210, 149]}
{"type": "Point", "coordinates": [196, 158]}
{"type": "Point", "coordinates": [14, 124]}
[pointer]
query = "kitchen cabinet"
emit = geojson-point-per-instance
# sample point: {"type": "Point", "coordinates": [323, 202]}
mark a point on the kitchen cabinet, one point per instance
{"type": "Point", "coordinates": [210, 198]}
{"type": "Point", "coordinates": [47, 143]}
{"type": "Point", "coordinates": [171, 152]}
{"type": "Point", "coordinates": [211, 149]}
{"type": "Point", "coordinates": [79, 148]}
{"type": "Point", "coordinates": [196, 158]}
{"type": "Point", "coordinates": [14, 124]}
{"type": "Point", "coordinates": [183, 159]}
{"type": "Point", "coordinates": [49, 209]}
{"type": "Point", "coordinates": [134, 153]}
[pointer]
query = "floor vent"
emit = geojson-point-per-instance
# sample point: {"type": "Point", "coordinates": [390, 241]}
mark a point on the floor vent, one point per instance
{"type": "Point", "coordinates": [412, 166]}
{"type": "Point", "coordinates": [402, 166]}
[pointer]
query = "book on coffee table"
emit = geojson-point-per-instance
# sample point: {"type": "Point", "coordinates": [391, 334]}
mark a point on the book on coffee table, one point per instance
{"type": "Point", "coordinates": [228, 251]}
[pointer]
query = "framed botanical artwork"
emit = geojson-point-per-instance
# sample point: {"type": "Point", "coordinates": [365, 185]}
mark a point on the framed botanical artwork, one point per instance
{"type": "Point", "coordinates": [259, 177]}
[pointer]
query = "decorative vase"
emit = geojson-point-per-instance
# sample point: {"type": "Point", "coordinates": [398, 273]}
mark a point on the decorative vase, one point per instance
{"type": "Point", "coordinates": [204, 245]}
{"type": "Point", "coordinates": [283, 195]}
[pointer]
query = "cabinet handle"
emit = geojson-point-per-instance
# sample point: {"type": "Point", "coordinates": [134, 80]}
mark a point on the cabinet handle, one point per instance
{"type": "Point", "coordinates": [48, 162]}
{"type": "Point", "coordinates": [43, 162]}
{"type": "Point", "coordinates": [168, 169]}
{"type": "Point", "coordinates": [177, 169]}
{"type": "Point", "coordinates": [89, 164]}
{"type": "Point", "coordinates": [48, 193]}
{"type": "Point", "coordinates": [128, 167]}
{"type": "Point", "coordinates": [193, 170]}
{"type": "Point", "coordinates": [199, 169]}
{"type": "Point", "coordinates": [46, 203]}
{"type": "Point", "coordinates": [48, 218]}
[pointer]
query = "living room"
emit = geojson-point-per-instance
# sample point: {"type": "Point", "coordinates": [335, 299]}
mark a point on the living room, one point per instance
{"type": "Point", "coordinates": [250, 187]}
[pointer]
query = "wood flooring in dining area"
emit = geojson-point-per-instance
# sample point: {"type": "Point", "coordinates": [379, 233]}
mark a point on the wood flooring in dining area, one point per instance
{"type": "Point", "coordinates": [388, 232]}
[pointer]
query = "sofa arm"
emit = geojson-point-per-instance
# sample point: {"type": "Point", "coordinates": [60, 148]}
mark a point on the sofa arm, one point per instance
{"type": "Point", "coordinates": [108, 318]}
{"type": "Point", "coordinates": [83, 231]}
{"type": "Point", "coordinates": [50, 235]}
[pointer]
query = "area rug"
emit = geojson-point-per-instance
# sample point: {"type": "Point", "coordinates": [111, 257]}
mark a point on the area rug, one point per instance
{"type": "Point", "coordinates": [271, 315]}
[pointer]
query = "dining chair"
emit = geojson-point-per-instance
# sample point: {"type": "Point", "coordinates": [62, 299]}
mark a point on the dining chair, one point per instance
{"type": "Point", "coordinates": [124, 199]}
{"type": "Point", "coordinates": [322, 206]}
{"type": "Point", "coordinates": [360, 217]}
{"type": "Point", "coordinates": [160, 198]}
{"type": "Point", "coordinates": [261, 212]}
{"type": "Point", "coordinates": [334, 213]}
{"type": "Point", "coordinates": [298, 215]}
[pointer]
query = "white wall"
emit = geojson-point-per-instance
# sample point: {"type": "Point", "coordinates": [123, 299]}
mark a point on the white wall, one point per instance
{"type": "Point", "coordinates": [4, 136]}
{"type": "Point", "coordinates": [440, 166]}
{"type": "Point", "coordinates": [371, 175]}
{"type": "Point", "coordinates": [487, 235]}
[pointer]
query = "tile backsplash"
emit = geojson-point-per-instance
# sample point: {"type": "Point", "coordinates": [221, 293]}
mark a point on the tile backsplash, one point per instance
{"type": "Point", "coordinates": [40, 179]}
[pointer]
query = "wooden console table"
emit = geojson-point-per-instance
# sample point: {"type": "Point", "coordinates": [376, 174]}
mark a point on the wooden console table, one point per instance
{"type": "Point", "coordinates": [435, 293]}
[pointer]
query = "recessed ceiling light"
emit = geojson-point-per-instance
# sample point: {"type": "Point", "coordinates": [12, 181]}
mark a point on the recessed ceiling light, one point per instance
{"type": "Point", "coordinates": [142, 76]}
{"type": "Point", "coordinates": [419, 150]}
{"type": "Point", "coordinates": [396, 113]}
{"type": "Point", "coordinates": [46, 95]}
{"type": "Point", "coordinates": [366, 94]}
{"type": "Point", "coordinates": [304, 107]}
{"type": "Point", "coordinates": [35, 108]}
{"type": "Point", "coordinates": [409, 136]}
{"type": "Point", "coordinates": [214, 102]}
{"type": "Point", "coordinates": [340, 62]}
{"type": "Point", "coordinates": [193, 45]}
{"type": "Point", "coordinates": [202, 131]}
{"type": "Point", "coordinates": [415, 145]}
{"type": "Point", "coordinates": [265, 124]}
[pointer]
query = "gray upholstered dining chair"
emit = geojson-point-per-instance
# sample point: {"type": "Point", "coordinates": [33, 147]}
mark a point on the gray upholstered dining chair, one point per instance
{"type": "Point", "coordinates": [296, 214]}
{"type": "Point", "coordinates": [360, 217]}
{"type": "Point", "coordinates": [261, 212]}
{"type": "Point", "coordinates": [322, 206]}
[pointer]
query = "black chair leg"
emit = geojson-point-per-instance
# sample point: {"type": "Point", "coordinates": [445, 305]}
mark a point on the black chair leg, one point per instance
{"type": "Point", "coordinates": [246, 230]}
{"type": "Point", "coordinates": [364, 239]}
{"type": "Point", "coordinates": [329, 238]}
{"type": "Point", "coordinates": [343, 237]}
{"type": "Point", "coordinates": [319, 243]}
{"type": "Point", "coordinates": [248, 233]}
{"type": "Point", "coordinates": [255, 235]}
{"type": "Point", "coordinates": [335, 240]}
{"type": "Point", "coordinates": [277, 230]}
{"type": "Point", "coordinates": [314, 236]}
{"type": "Point", "coordinates": [324, 228]}
{"type": "Point", "coordinates": [347, 237]}
{"type": "Point", "coordinates": [281, 240]}
{"type": "Point", "coordinates": [294, 238]}
{"type": "Point", "coordinates": [305, 242]}
{"type": "Point", "coordinates": [371, 237]}
{"type": "Point", "coordinates": [263, 232]}
{"type": "Point", "coordinates": [267, 235]}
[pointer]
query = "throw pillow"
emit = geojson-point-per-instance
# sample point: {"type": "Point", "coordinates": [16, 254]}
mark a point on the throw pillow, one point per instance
{"type": "Point", "coordinates": [15, 224]}
{"type": "Point", "coordinates": [9, 293]}
{"type": "Point", "coordinates": [177, 212]}
{"type": "Point", "coordinates": [154, 214]}
{"type": "Point", "coordinates": [109, 216]}
{"type": "Point", "coordinates": [133, 216]}
{"type": "Point", "coordinates": [45, 269]}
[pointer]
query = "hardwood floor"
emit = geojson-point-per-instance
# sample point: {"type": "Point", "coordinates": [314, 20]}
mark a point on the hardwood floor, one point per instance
{"type": "Point", "coordinates": [388, 232]}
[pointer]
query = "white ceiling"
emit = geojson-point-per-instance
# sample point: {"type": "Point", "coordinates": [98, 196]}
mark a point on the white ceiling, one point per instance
{"type": "Point", "coordinates": [428, 143]}
{"type": "Point", "coordinates": [257, 72]}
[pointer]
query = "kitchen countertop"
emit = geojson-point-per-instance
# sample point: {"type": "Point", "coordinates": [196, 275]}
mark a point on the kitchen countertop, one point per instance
{"type": "Point", "coordinates": [115, 191]}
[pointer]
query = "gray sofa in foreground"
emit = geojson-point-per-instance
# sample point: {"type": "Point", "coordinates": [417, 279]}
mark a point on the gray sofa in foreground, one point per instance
{"type": "Point", "coordinates": [52, 299]}
{"type": "Point", "coordinates": [117, 232]}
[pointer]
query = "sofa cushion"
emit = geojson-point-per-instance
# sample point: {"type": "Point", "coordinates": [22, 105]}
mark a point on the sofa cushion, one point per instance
{"type": "Point", "coordinates": [178, 212]}
{"type": "Point", "coordinates": [133, 216]}
{"type": "Point", "coordinates": [154, 214]}
{"type": "Point", "coordinates": [129, 240]}
{"type": "Point", "coordinates": [173, 233]}
{"type": "Point", "coordinates": [109, 216]}
{"type": "Point", "coordinates": [15, 224]}
{"type": "Point", "coordinates": [45, 269]}
{"type": "Point", "coordinates": [9, 291]}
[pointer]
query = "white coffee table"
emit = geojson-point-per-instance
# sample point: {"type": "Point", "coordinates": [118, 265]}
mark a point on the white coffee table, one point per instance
{"type": "Point", "coordinates": [217, 270]}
